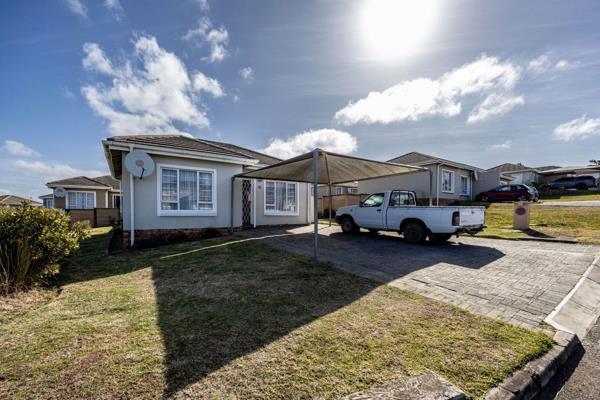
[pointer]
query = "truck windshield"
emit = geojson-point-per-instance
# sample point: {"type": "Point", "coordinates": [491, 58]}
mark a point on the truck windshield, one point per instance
{"type": "Point", "coordinates": [374, 200]}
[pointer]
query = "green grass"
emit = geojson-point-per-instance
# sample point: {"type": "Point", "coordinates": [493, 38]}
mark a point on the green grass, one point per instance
{"type": "Point", "coordinates": [581, 223]}
{"type": "Point", "coordinates": [232, 318]}
{"type": "Point", "coordinates": [576, 196]}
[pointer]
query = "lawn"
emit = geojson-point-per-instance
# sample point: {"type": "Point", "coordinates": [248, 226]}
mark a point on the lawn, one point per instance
{"type": "Point", "coordinates": [575, 196]}
{"type": "Point", "coordinates": [581, 223]}
{"type": "Point", "coordinates": [233, 318]}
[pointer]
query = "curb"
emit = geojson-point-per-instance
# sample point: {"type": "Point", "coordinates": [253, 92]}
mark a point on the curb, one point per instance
{"type": "Point", "coordinates": [527, 382]}
{"type": "Point", "coordinates": [531, 239]}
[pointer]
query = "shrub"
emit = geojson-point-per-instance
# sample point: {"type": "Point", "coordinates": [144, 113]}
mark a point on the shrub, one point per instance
{"type": "Point", "coordinates": [34, 241]}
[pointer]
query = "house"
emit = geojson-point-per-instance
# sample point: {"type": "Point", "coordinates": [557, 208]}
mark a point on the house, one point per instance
{"type": "Point", "coordinates": [551, 174]}
{"type": "Point", "coordinates": [450, 180]}
{"type": "Point", "coordinates": [82, 193]}
{"type": "Point", "coordinates": [9, 200]}
{"type": "Point", "coordinates": [522, 173]}
{"type": "Point", "coordinates": [192, 187]}
{"type": "Point", "coordinates": [350, 188]}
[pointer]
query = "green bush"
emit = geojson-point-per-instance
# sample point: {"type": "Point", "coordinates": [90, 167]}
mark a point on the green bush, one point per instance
{"type": "Point", "coordinates": [34, 241]}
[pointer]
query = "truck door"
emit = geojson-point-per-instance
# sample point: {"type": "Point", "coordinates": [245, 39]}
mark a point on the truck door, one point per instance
{"type": "Point", "coordinates": [370, 213]}
{"type": "Point", "coordinates": [398, 207]}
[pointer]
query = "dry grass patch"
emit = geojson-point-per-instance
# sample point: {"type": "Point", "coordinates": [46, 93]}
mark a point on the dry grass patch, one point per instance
{"type": "Point", "coordinates": [229, 318]}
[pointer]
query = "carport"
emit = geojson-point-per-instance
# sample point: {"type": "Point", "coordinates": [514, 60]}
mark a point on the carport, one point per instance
{"type": "Point", "coordinates": [320, 167]}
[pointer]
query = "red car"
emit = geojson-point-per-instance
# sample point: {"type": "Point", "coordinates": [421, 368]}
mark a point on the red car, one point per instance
{"type": "Point", "coordinates": [509, 193]}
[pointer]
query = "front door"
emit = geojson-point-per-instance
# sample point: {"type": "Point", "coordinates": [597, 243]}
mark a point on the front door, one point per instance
{"type": "Point", "coordinates": [246, 203]}
{"type": "Point", "coordinates": [370, 213]}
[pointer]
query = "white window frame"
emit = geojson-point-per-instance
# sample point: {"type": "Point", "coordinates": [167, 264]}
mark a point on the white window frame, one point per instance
{"type": "Point", "coordinates": [79, 191]}
{"type": "Point", "coordinates": [274, 213]}
{"type": "Point", "coordinates": [468, 192]}
{"type": "Point", "coordinates": [184, 213]}
{"type": "Point", "coordinates": [339, 190]}
{"type": "Point", "coordinates": [113, 199]}
{"type": "Point", "coordinates": [48, 203]}
{"type": "Point", "coordinates": [451, 181]}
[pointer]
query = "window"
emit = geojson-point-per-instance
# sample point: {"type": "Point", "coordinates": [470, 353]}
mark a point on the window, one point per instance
{"type": "Point", "coordinates": [49, 203]}
{"type": "Point", "coordinates": [398, 199]}
{"type": "Point", "coordinates": [447, 181]}
{"type": "Point", "coordinates": [339, 190]}
{"type": "Point", "coordinates": [116, 201]}
{"type": "Point", "coordinates": [81, 200]}
{"type": "Point", "coordinates": [374, 200]}
{"type": "Point", "coordinates": [352, 190]}
{"type": "Point", "coordinates": [281, 198]}
{"type": "Point", "coordinates": [505, 188]}
{"type": "Point", "coordinates": [186, 191]}
{"type": "Point", "coordinates": [465, 185]}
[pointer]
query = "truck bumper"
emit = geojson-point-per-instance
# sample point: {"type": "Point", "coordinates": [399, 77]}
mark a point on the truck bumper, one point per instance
{"type": "Point", "coordinates": [471, 230]}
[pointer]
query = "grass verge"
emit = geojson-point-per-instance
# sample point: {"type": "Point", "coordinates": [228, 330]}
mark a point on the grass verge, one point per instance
{"type": "Point", "coordinates": [231, 318]}
{"type": "Point", "coordinates": [581, 223]}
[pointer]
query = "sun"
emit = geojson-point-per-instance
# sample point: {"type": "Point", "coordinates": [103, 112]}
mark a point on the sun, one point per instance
{"type": "Point", "coordinates": [394, 29]}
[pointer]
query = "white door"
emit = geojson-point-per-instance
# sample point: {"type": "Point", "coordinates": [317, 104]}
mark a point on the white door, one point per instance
{"type": "Point", "coordinates": [370, 213]}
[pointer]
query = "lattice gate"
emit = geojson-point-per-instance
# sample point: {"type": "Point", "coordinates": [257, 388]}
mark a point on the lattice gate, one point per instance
{"type": "Point", "coordinates": [246, 203]}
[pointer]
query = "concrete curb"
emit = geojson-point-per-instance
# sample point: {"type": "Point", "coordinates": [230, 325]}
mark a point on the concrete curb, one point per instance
{"type": "Point", "coordinates": [527, 382]}
{"type": "Point", "coordinates": [580, 308]}
{"type": "Point", "coordinates": [531, 239]}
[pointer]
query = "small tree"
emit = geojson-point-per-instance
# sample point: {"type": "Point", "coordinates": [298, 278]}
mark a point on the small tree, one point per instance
{"type": "Point", "coordinates": [34, 241]}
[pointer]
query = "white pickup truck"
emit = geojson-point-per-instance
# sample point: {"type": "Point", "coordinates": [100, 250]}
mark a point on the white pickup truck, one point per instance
{"type": "Point", "coordinates": [397, 211]}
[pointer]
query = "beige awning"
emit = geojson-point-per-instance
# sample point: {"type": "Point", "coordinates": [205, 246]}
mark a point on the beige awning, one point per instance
{"type": "Point", "coordinates": [331, 169]}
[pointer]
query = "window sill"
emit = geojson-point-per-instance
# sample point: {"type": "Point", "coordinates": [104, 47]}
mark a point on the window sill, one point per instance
{"type": "Point", "coordinates": [281, 214]}
{"type": "Point", "coordinates": [190, 213]}
{"type": "Point", "coordinates": [448, 191]}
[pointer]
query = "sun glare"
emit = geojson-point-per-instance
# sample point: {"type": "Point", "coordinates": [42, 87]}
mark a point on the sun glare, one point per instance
{"type": "Point", "coordinates": [396, 28]}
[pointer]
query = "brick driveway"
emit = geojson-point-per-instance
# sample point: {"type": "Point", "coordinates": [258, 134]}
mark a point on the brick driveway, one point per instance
{"type": "Point", "coordinates": [517, 281]}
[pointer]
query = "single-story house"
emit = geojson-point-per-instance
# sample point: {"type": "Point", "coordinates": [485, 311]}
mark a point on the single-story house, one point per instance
{"type": "Point", "coordinates": [522, 173]}
{"type": "Point", "coordinates": [82, 193]}
{"type": "Point", "coordinates": [450, 180]}
{"type": "Point", "coordinates": [193, 188]}
{"type": "Point", "coordinates": [350, 188]}
{"type": "Point", "coordinates": [9, 200]}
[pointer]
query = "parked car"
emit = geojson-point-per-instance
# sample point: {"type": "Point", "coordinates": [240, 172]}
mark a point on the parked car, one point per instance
{"type": "Point", "coordinates": [397, 211]}
{"type": "Point", "coordinates": [583, 182]}
{"type": "Point", "coordinates": [509, 193]}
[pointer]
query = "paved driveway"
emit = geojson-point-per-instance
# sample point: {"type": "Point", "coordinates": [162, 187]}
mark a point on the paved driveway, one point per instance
{"type": "Point", "coordinates": [520, 282]}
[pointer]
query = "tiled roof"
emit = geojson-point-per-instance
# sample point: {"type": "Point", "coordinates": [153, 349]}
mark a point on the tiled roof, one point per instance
{"type": "Point", "coordinates": [109, 181]}
{"type": "Point", "coordinates": [83, 181]}
{"type": "Point", "coordinates": [12, 200]}
{"type": "Point", "coordinates": [262, 158]}
{"type": "Point", "coordinates": [509, 167]}
{"type": "Point", "coordinates": [416, 158]}
{"type": "Point", "coordinates": [184, 143]}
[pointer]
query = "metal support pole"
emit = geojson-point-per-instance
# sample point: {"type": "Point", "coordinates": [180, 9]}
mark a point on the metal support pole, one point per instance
{"type": "Point", "coordinates": [430, 188]}
{"type": "Point", "coordinates": [231, 204]}
{"type": "Point", "coordinates": [315, 166]}
{"type": "Point", "coordinates": [330, 204]}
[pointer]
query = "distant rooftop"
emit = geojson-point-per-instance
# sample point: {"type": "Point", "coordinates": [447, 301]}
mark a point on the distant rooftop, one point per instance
{"type": "Point", "coordinates": [416, 158]}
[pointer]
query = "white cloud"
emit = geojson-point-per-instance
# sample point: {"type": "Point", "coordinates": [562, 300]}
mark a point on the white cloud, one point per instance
{"type": "Point", "coordinates": [539, 64]}
{"type": "Point", "coordinates": [115, 8]}
{"type": "Point", "coordinates": [216, 38]}
{"type": "Point", "coordinates": [579, 128]}
{"type": "Point", "coordinates": [149, 93]}
{"type": "Point", "coordinates": [52, 170]}
{"type": "Point", "coordinates": [326, 139]}
{"type": "Point", "coordinates": [563, 64]}
{"type": "Point", "coordinates": [203, 4]}
{"type": "Point", "coordinates": [422, 97]}
{"type": "Point", "coordinates": [77, 7]}
{"type": "Point", "coordinates": [506, 145]}
{"type": "Point", "coordinates": [209, 85]}
{"type": "Point", "coordinates": [493, 105]}
{"type": "Point", "coordinates": [247, 74]}
{"type": "Point", "coordinates": [19, 149]}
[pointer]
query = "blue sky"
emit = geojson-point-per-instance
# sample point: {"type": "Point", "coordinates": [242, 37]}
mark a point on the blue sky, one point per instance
{"type": "Point", "coordinates": [477, 82]}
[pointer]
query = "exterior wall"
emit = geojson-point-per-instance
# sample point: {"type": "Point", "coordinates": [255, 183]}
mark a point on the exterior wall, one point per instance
{"type": "Point", "coordinates": [305, 211]}
{"type": "Point", "coordinates": [486, 181]}
{"type": "Point", "coordinates": [419, 183]}
{"type": "Point", "coordinates": [146, 202]}
{"type": "Point", "coordinates": [96, 216]}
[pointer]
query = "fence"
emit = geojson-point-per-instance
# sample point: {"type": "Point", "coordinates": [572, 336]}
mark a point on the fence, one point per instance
{"type": "Point", "coordinates": [96, 216]}
{"type": "Point", "coordinates": [337, 201]}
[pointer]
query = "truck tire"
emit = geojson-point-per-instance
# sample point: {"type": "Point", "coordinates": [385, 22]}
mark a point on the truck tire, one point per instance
{"type": "Point", "coordinates": [414, 233]}
{"type": "Point", "coordinates": [348, 226]}
{"type": "Point", "coordinates": [440, 237]}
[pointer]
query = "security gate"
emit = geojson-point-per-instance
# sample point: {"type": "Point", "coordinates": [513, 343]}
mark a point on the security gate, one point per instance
{"type": "Point", "coordinates": [246, 203]}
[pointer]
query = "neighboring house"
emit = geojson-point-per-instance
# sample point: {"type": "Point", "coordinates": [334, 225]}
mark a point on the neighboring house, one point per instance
{"type": "Point", "coordinates": [551, 174]}
{"type": "Point", "coordinates": [192, 187]}
{"type": "Point", "coordinates": [9, 200]}
{"type": "Point", "coordinates": [450, 180]}
{"type": "Point", "coordinates": [83, 193]}
{"type": "Point", "coordinates": [522, 173]}
{"type": "Point", "coordinates": [337, 189]}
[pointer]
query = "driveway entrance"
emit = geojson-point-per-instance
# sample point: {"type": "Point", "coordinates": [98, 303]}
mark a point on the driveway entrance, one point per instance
{"type": "Point", "coordinates": [517, 281]}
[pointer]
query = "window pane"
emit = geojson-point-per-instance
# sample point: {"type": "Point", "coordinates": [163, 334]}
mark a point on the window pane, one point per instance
{"type": "Point", "coordinates": [280, 196]}
{"type": "Point", "coordinates": [291, 197]}
{"type": "Point", "coordinates": [188, 186]}
{"type": "Point", "coordinates": [90, 200]}
{"type": "Point", "coordinates": [270, 195]}
{"type": "Point", "coordinates": [169, 188]}
{"type": "Point", "coordinates": [205, 194]}
{"type": "Point", "coordinates": [375, 200]}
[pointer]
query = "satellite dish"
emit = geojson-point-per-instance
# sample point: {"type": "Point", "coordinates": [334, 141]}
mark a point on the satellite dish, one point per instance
{"type": "Point", "coordinates": [139, 164]}
{"type": "Point", "coordinates": [60, 192]}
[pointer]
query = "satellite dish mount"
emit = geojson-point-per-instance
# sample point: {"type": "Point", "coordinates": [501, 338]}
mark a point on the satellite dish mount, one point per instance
{"type": "Point", "coordinates": [139, 164]}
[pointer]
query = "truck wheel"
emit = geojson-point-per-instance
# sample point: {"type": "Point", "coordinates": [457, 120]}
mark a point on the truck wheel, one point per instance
{"type": "Point", "coordinates": [414, 233]}
{"type": "Point", "coordinates": [440, 237]}
{"type": "Point", "coordinates": [522, 198]}
{"type": "Point", "coordinates": [485, 199]}
{"type": "Point", "coordinates": [348, 225]}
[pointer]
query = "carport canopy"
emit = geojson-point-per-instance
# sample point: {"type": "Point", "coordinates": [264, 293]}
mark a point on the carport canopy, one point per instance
{"type": "Point", "coordinates": [320, 167]}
